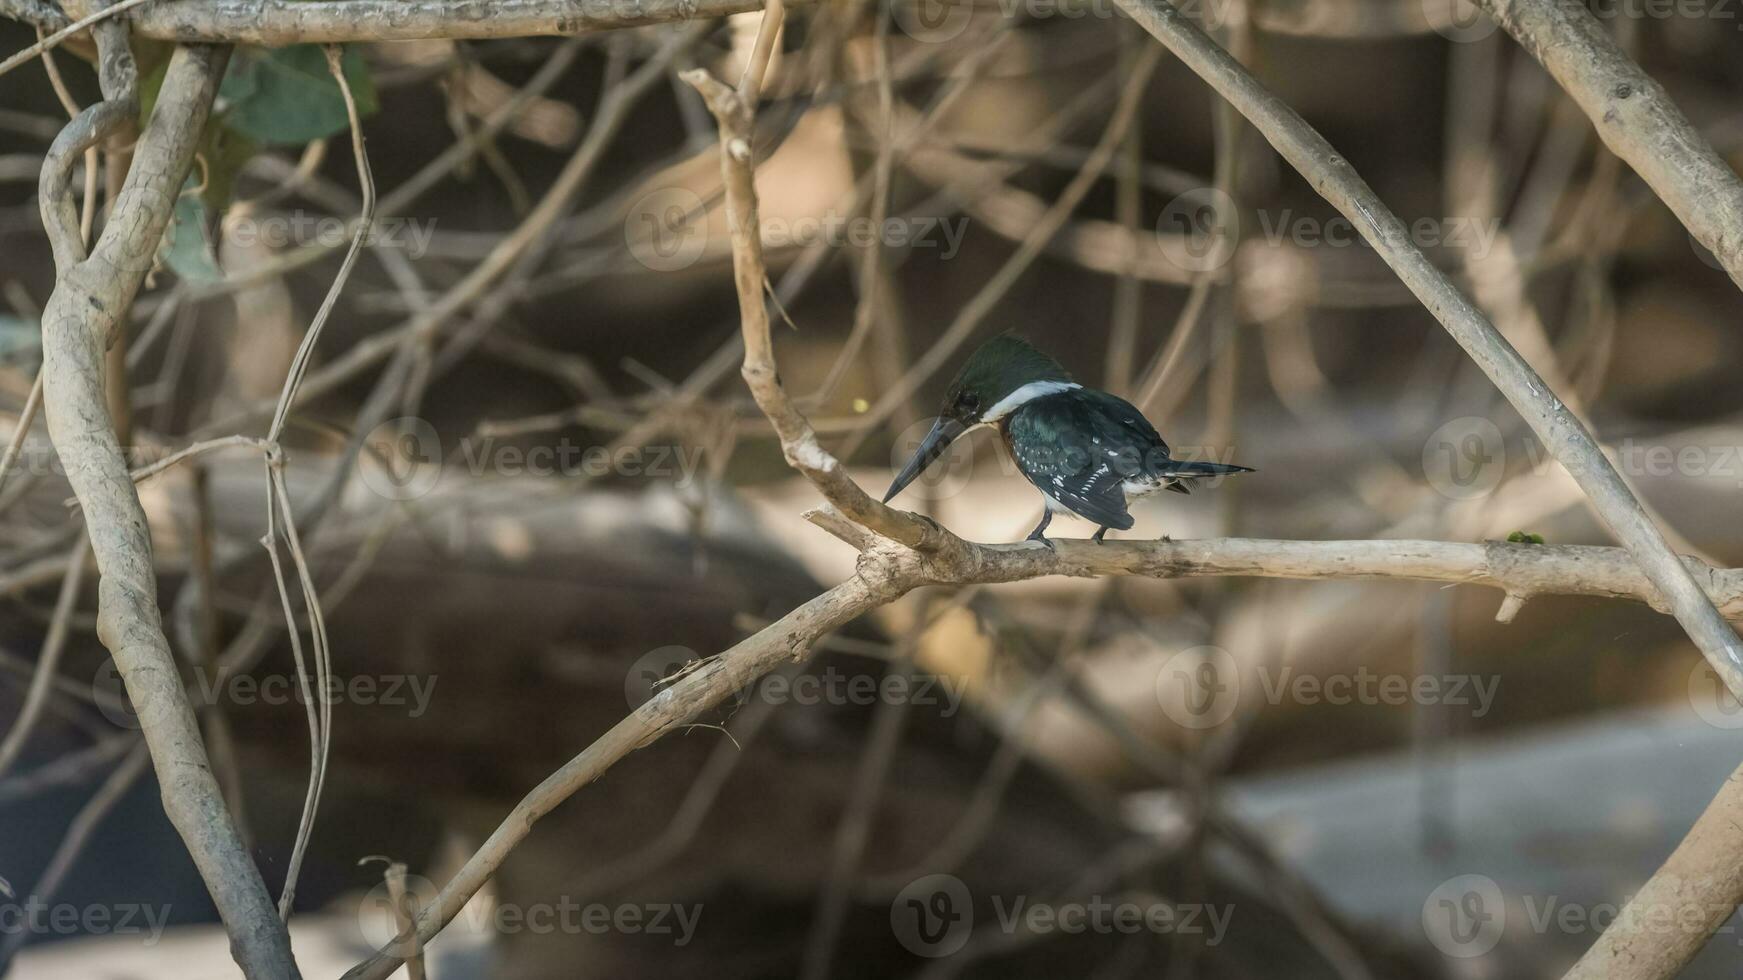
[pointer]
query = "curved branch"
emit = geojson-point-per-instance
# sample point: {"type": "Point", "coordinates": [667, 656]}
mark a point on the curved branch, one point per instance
{"type": "Point", "coordinates": [87, 129]}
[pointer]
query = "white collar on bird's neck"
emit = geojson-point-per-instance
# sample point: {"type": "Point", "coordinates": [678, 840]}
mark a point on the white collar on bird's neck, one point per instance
{"type": "Point", "coordinates": [1025, 394]}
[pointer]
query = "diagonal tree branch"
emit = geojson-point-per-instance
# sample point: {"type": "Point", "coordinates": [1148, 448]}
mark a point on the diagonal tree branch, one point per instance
{"type": "Point", "coordinates": [1668, 921]}
{"type": "Point", "coordinates": [700, 689]}
{"type": "Point", "coordinates": [1558, 427]}
{"type": "Point", "coordinates": [91, 297]}
{"type": "Point", "coordinates": [1635, 119]}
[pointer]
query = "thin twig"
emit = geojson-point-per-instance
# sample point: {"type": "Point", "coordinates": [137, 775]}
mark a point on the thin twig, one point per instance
{"type": "Point", "coordinates": [201, 448]}
{"type": "Point", "coordinates": [21, 430]}
{"type": "Point", "coordinates": [48, 663]}
{"type": "Point", "coordinates": [278, 507]}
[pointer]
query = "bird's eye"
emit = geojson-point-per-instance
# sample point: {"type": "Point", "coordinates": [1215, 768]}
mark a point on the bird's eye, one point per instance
{"type": "Point", "coordinates": [969, 401]}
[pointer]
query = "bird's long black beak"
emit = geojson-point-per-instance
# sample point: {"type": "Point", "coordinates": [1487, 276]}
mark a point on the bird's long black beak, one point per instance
{"type": "Point", "coordinates": [943, 433]}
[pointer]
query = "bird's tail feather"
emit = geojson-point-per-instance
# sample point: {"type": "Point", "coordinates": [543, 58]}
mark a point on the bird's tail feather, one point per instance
{"type": "Point", "coordinates": [1181, 469]}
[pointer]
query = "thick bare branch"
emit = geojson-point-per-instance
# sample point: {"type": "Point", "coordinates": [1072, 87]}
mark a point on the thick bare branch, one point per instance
{"type": "Point", "coordinates": [279, 22]}
{"type": "Point", "coordinates": [91, 297]}
{"type": "Point", "coordinates": [1635, 119]}
{"type": "Point", "coordinates": [1559, 428]}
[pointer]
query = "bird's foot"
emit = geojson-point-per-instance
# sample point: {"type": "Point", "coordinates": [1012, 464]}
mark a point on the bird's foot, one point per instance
{"type": "Point", "coordinates": [1098, 535]}
{"type": "Point", "coordinates": [1038, 536]}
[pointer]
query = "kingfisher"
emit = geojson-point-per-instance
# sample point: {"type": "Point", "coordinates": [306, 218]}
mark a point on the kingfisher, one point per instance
{"type": "Point", "coordinates": [1087, 451]}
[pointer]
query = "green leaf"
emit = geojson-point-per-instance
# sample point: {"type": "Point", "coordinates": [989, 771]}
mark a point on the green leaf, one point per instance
{"type": "Point", "coordinates": [189, 251]}
{"type": "Point", "coordinates": [287, 96]}
{"type": "Point", "coordinates": [1525, 537]}
{"type": "Point", "coordinates": [188, 241]}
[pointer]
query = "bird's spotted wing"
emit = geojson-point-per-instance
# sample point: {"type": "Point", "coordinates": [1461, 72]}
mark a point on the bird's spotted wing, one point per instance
{"type": "Point", "coordinates": [1119, 413]}
{"type": "Point", "coordinates": [1066, 450]}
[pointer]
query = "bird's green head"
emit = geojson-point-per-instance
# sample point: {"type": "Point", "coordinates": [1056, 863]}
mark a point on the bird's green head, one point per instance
{"type": "Point", "coordinates": [988, 385]}
{"type": "Point", "coordinates": [1000, 367]}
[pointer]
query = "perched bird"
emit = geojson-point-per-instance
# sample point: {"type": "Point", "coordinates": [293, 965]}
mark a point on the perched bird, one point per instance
{"type": "Point", "coordinates": [1087, 451]}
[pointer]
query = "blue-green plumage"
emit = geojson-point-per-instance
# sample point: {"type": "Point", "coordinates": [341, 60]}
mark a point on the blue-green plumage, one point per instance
{"type": "Point", "coordinates": [1087, 451]}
